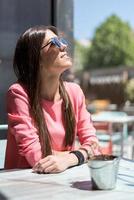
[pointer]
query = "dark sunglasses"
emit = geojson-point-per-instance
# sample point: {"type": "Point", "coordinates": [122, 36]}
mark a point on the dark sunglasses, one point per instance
{"type": "Point", "coordinates": [58, 42]}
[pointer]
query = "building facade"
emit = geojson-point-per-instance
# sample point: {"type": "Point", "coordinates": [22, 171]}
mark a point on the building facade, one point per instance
{"type": "Point", "coordinates": [15, 17]}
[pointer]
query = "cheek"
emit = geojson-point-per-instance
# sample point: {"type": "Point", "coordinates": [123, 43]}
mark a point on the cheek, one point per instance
{"type": "Point", "coordinates": [49, 58]}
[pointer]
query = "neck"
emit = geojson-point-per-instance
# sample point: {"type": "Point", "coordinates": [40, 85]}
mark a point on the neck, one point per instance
{"type": "Point", "coordinates": [50, 89]}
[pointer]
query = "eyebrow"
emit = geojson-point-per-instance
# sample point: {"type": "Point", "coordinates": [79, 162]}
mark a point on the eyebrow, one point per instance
{"type": "Point", "coordinates": [48, 42]}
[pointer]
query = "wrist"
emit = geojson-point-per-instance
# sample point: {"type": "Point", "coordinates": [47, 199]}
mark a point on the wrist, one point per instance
{"type": "Point", "coordinates": [71, 159]}
{"type": "Point", "coordinates": [84, 152]}
{"type": "Point", "coordinates": [79, 155]}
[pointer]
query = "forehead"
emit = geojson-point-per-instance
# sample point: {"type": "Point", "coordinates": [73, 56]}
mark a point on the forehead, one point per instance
{"type": "Point", "coordinates": [49, 34]}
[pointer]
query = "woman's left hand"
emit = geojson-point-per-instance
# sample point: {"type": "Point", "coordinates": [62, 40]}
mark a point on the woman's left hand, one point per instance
{"type": "Point", "coordinates": [53, 164]}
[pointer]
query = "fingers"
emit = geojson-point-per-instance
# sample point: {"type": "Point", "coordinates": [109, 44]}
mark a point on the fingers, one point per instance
{"type": "Point", "coordinates": [51, 164]}
{"type": "Point", "coordinates": [51, 169]}
{"type": "Point", "coordinates": [46, 165]}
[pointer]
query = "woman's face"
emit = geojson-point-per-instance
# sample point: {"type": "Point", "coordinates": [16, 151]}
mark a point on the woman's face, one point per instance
{"type": "Point", "coordinates": [54, 60]}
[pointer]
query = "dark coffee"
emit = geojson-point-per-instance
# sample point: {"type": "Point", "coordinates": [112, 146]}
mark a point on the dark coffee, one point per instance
{"type": "Point", "coordinates": [104, 157]}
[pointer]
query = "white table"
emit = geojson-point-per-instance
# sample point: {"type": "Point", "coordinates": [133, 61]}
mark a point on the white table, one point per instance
{"type": "Point", "coordinates": [72, 184]}
{"type": "Point", "coordinates": [124, 120]}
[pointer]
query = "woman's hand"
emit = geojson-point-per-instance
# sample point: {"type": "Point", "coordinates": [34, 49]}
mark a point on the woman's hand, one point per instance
{"type": "Point", "coordinates": [55, 163]}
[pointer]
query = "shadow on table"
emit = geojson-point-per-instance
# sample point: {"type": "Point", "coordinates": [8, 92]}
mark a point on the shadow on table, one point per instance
{"type": "Point", "coordinates": [82, 185]}
{"type": "Point", "coordinates": [3, 197]}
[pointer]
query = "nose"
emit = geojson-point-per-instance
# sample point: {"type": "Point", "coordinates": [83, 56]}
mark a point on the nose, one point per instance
{"type": "Point", "coordinates": [63, 47]}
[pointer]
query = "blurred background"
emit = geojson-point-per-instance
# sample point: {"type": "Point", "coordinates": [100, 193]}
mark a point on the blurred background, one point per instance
{"type": "Point", "coordinates": [104, 68]}
{"type": "Point", "coordinates": [101, 38]}
{"type": "Point", "coordinates": [104, 52]}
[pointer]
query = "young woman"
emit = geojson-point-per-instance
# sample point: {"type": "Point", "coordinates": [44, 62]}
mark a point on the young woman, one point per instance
{"type": "Point", "coordinates": [45, 114]}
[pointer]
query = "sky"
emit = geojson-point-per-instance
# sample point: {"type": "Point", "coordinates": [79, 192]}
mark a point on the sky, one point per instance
{"type": "Point", "coordinates": [88, 14]}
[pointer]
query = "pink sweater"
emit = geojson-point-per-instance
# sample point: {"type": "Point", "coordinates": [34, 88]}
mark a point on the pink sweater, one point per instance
{"type": "Point", "coordinates": [23, 146]}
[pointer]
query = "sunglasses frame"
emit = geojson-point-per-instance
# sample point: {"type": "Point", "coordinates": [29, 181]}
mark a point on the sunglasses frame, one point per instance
{"type": "Point", "coordinates": [58, 42]}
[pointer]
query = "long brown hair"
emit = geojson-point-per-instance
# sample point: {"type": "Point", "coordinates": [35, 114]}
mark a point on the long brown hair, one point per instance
{"type": "Point", "coordinates": [27, 68]}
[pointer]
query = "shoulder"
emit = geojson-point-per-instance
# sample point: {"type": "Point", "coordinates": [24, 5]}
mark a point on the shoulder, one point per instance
{"type": "Point", "coordinates": [74, 90]}
{"type": "Point", "coordinates": [17, 89]}
{"type": "Point", "coordinates": [72, 87]}
{"type": "Point", "coordinates": [17, 101]}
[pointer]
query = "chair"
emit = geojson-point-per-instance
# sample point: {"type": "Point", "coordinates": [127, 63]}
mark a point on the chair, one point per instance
{"type": "Point", "coordinates": [106, 135]}
{"type": "Point", "coordinates": [2, 146]}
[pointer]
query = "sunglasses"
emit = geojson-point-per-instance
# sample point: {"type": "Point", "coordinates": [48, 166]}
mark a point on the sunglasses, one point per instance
{"type": "Point", "coordinates": [58, 42]}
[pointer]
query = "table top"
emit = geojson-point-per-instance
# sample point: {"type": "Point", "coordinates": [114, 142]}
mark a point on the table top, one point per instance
{"type": "Point", "coordinates": [74, 183]}
{"type": "Point", "coordinates": [112, 119]}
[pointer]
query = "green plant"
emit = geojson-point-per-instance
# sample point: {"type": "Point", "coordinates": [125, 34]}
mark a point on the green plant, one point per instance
{"type": "Point", "coordinates": [80, 55]}
{"type": "Point", "coordinates": [112, 45]}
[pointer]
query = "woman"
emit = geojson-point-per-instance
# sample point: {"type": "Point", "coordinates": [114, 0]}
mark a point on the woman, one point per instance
{"type": "Point", "coordinates": [46, 114]}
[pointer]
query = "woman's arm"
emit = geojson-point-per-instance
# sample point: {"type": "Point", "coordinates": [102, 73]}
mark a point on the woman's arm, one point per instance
{"type": "Point", "coordinates": [21, 125]}
{"type": "Point", "coordinates": [86, 132]}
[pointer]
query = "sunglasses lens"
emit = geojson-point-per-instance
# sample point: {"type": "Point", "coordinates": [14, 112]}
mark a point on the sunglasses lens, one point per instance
{"type": "Point", "coordinates": [56, 42]}
{"type": "Point", "coordinates": [59, 42]}
{"type": "Point", "coordinates": [63, 41]}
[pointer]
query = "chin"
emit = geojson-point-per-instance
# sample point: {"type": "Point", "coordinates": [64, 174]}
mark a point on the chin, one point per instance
{"type": "Point", "coordinates": [69, 63]}
{"type": "Point", "coordinates": [66, 67]}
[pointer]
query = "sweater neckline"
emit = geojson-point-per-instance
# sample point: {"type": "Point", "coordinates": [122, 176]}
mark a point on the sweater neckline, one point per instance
{"type": "Point", "coordinates": [45, 101]}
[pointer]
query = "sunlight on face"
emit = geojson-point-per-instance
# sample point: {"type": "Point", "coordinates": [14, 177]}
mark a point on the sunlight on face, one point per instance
{"type": "Point", "coordinates": [54, 59]}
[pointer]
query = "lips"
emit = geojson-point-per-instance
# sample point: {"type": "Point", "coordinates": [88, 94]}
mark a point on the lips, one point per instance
{"type": "Point", "coordinates": [63, 55]}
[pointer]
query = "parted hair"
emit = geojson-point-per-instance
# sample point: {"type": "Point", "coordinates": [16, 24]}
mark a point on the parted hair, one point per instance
{"type": "Point", "coordinates": [26, 64]}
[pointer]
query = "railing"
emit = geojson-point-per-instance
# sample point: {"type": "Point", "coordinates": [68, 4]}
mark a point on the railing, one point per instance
{"type": "Point", "coordinates": [2, 146]}
{"type": "Point", "coordinates": [3, 126]}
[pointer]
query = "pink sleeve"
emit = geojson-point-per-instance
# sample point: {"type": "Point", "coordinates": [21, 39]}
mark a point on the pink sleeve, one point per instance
{"type": "Point", "coordinates": [85, 130]}
{"type": "Point", "coordinates": [21, 125]}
